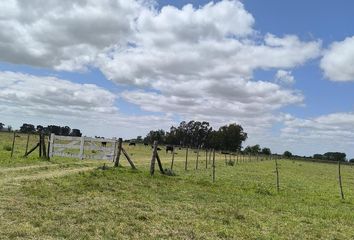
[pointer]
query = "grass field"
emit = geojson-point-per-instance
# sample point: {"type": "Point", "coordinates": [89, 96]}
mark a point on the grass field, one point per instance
{"type": "Point", "coordinates": [72, 199]}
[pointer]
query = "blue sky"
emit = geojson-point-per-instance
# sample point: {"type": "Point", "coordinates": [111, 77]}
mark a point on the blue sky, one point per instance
{"type": "Point", "coordinates": [144, 67]}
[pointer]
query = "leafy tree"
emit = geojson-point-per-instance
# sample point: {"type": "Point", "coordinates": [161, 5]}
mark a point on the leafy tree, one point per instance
{"type": "Point", "coordinates": [65, 131]}
{"type": "Point", "coordinates": [139, 139]}
{"type": "Point", "coordinates": [9, 128]}
{"type": "Point", "coordinates": [266, 151]}
{"type": "Point", "coordinates": [287, 154]}
{"type": "Point", "coordinates": [158, 135]}
{"type": "Point", "coordinates": [27, 128]}
{"type": "Point", "coordinates": [335, 156]}
{"type": "Point", "coordinates": [75, 133]}
{"type": "Point", "coordinates": [318, 156]}
{"type": "Point", "coordinates": [2, 126]}
{"type": "Point", "coordinates": [351, 160]}
{"type": "Point", "coordinates": [39, 128]}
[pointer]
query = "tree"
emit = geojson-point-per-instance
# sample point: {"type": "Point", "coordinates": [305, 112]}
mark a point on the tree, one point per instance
{"type": "Point", "coordinates": [139, 139]}
{"type": "Point", "coordinates": [27, 128]}
{"type": "Point", "coordinates": [351, 160]}
{"type": "Point", "coordinates": [39, 128]}
{"type": "Point", "coordinates": [335, 156]}
{"type": "Point", "coordinates": [193, 134]}
{"type": "Point", "coordinates": [266, 151]}
{"type": "Point", "coordinates": [2, 126]}
{"type": "Point", "coordinates": [158, 135]}
{"type": "Point", "coordinates": [9, 128]}
{"type": "Point", "coordinates": [75, 133]}
{"type": "Point", "coordinates": [65, 131]}
{"type": "Point", "coordinates": [228, 138]}
{"type": "Point", "coordinates": [318, 156]}
{"type": "Point", "coordinates": [287, 154]}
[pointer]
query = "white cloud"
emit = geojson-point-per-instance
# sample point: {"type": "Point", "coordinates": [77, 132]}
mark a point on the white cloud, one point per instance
{"type": "Point", "coordinates": [33, 99]}
{"type": "Point", "coordinates": [332, 132]}
{"type": "Point", "coordinates": [338, 61]}
{"type": "Point", "coordinates": [285, 77]}
{"type": "Point", "coordinates": [63, 34]}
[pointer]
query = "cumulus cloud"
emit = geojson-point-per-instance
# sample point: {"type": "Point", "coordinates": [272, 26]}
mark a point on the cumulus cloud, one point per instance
{"type": "Point", "coordinates": [285, 77]}
{"type": "Point", "coordinates": [63, 34]}
{"type": "Point", "coordinates": [51, 100]}
{"type": "Point", "coordinates": [338, 61]}
{"type": "Point", "coordinates": [332, 132]}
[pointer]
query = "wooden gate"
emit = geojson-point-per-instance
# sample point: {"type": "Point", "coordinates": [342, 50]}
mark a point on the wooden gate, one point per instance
{"type": "Point", "coordinates": [83, 147]}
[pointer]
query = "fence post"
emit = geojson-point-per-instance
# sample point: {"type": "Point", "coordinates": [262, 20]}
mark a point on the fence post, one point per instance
{"type": "Point", "coordinates": [206, 158]}
{"type": "Point", "coordinates": [340, 181]}
{"type": "Point", "coordinates": [186, 163]}
{"type": "Point", "coordinates": [277, 172]}
{"type": "Point", "coordinates": [28, 137]}
{"type": "Point", "coordinates": [82, 143]}
{"type": "Point", "coordinates": [120, 142]}
{"type": "Point", "coordinates": [13, 144]}
{"type": "Point", "coordinates": [40, 145]}
{"type": "Point", "coordinates": [197, 162]}
{"type": "Point", "coordinates": [213, 165]}
{"type": "Point", "coordinates": [51, 145]}
{"type": "Point", "coordinates": [173, 157]}
{"type": "Point", "coordinates": [153, 159]}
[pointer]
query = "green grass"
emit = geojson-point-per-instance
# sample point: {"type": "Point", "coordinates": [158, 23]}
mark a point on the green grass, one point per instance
{"type": "Point", "coordinates": [72, 199]}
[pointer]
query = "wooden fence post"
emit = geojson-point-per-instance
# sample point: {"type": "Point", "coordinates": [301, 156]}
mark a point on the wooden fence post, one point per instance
{"type": "Point", "coordinates": [153, 159]}
{"type": "Point", "coordinates": [214, 165]}
{"type": "Point", "coordinates": [173, 157]}
{"type": "Point", "coordinates": [82, 144]}
{"type": "Point", "coordinates": [186, 163]}
{"type": "Point", "coordinates": [40, 145]}
{"type": "Point", "coordinates": [120, 142]}
{"type": "Point", "coordinates": [13, 144]}
{"type": "Point", "coordinates": [277, 173]}
{"type": "Point", "coordinates": [51, 145]}
{"type": "Point", "coordinates": [340, 181]}
{"type": "Point", "coordinates": [44, 149]}
{"type": "Point", "coordinates": [197, 162]}
{"type": "Point", "coordinates": [28, 137]}
{"type": "Point", "coordinates": [206, 158]}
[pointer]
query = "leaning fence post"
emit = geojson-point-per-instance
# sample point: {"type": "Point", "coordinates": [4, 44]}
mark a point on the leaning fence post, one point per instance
{"type": "Point", "coordinates": [340, 181]}
{"type": "Point", "coordinates": [120, 142]}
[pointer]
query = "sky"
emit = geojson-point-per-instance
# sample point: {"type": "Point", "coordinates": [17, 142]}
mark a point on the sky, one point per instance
{"type": "Point", "coordinates": [284, 70]}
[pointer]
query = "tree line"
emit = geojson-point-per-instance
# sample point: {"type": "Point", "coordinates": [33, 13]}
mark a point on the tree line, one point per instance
{"type": "Point", "coordinates": [196, 134]}
{"type": "Point", "coordinates": [57, 130]}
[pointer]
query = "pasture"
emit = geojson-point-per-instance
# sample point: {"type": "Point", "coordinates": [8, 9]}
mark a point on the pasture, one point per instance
{"type": "Point", "coordinates": [74, 199]}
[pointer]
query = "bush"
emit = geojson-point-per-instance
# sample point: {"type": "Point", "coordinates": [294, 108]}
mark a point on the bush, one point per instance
{"type": "Point", "coordinates": [7, 148]}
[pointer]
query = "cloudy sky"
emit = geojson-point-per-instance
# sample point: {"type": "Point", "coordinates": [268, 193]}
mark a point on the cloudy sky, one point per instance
{"type": "Point", "coordinates": [284, 70]}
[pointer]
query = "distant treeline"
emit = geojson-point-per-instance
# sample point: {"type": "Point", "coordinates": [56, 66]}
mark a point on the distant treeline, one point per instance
{"type": "Point", "coordinates": [57, 130]}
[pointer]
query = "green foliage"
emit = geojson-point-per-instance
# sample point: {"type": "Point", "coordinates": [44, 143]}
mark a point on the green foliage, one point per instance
{"type": "Point", "coordinates": [27, 128]}
{"type": "Point", "coordinates": [287, 154]}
